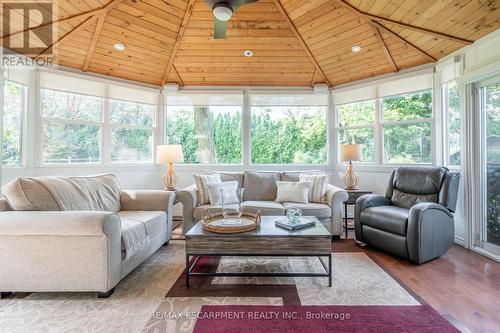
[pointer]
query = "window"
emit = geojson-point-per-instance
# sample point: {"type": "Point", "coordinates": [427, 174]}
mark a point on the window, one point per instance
{"type": "Point", "coordinates": [72, 126]}
{"type": "Point", "coordinates": [14, 107]}
{"type": "Point", "coordinates": [356, 125]}
{"type": "Point", "coordinates": [131, 131]}
{"type": "Point", "coordinates": [208, 126]}
{"type": "Point", "coordinates": [407, 128]}
{"type": "Point", "coordinates": [451, 107]}
{"type": "Point", "coordinates": [289, 129]}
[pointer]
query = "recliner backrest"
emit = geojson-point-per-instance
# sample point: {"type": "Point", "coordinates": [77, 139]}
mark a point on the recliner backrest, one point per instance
{"type": "Point", "coordinates": [411, 185]}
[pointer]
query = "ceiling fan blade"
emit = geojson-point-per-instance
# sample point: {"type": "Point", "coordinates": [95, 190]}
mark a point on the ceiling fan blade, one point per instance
{"type": "Point", "coordinates": [238, 3]}
{"type": "Point", "coordinates": [220, 28]}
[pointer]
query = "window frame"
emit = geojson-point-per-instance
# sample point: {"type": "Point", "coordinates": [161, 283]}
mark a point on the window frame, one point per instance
{"type": "Point", "coordinates": [23, 128]}
{"type": "Point", "coordinates": [197, 165]}
{"type": "Point", "coordinates": [41, 133]}
{"type": "Point", "coordinates": [109, 127]}
{"type": "Point", "coordinates": [326, 112]}
{"type": "Point", "coordinates": [430, 120]}
{"type": "Point", "coordinates": [445, 128]}
{"type": "Point", "coordinates": [105, 139]}
{"type": "Point", "coordinates": [374, 126]}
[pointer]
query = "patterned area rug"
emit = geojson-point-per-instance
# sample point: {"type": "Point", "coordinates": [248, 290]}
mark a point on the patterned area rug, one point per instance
{"type": "Point", "coordinates": [153, 298]}
{"type": "Point", "coordinates": [332, 318]}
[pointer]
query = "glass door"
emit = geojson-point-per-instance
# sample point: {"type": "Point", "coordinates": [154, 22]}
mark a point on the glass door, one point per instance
{"type": "Point", "coordinates": [489, 101]}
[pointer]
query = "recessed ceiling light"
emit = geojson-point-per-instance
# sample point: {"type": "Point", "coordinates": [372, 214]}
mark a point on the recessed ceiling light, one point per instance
{"type": "Point", "coordinates": [119, 47]}
{"type": "Point", "coordinates": [356, 48]}
{"type": "Point", "coordinates": [248, 53]}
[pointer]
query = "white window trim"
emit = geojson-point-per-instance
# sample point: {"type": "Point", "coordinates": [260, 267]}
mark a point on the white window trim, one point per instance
{"type": "Point", "coordinates": [378, 131]}
{"type": "Point", "coordinates": [24, 129]}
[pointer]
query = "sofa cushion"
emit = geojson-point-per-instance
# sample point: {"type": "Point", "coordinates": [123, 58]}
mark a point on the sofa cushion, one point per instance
{"type": "Point", "coordinates": [227, 176]}
{"type": "Point", "coordinates": [211, 209]}
{"type": "Point", "coordinates": [201, 182]}
{"type": "Point", "coordinates": [155, 221]}
{"type": "Point", "coordinates": [321, 211]}
{"type": "Point", "coordinates": [260, 186]}
{"type": "Point", "coordinates": [92, 193]}
{"type": "Point", "coordinates": [293, 191]}
{"type": "Point", "coordinates": [265, 207]}
{"type": "Point", "coordinates": [388, 218]}
{"type": "Point", "coordinates": [293, 176]}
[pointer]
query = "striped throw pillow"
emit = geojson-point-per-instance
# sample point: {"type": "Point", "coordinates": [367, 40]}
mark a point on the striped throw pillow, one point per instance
{"type": "Point", "coordinates": [201, 182]}
{"type": "Point", "coordinates": [317, 192]}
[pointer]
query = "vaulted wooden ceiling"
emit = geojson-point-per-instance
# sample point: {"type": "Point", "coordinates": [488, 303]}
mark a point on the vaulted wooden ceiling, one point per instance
{"type": "Point", "coordinates": [294, 42]}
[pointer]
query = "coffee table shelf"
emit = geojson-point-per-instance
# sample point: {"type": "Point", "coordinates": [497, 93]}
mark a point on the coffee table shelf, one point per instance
{"type": "Point", "coordinates": [267, 240]}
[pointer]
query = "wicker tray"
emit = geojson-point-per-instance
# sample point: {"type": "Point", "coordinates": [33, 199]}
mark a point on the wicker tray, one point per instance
{"type": "Point", "coordinates": [213, 223]}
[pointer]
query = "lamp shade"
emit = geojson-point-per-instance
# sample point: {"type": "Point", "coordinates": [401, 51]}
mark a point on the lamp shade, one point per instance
{"type": "Point", "coordinates": [169, 154]}
{"type": "Point", "coordinates": [350, 153]}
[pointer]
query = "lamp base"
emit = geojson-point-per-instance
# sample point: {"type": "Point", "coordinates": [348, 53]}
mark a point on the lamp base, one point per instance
{"type": "Point", "coordinates": [350, 179]}
{"type": "Point", "coordinates": [170, 178]}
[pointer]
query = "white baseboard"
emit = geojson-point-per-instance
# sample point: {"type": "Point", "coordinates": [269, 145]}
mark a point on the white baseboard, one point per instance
{"type": "Point", "coordinates": [460, 241]}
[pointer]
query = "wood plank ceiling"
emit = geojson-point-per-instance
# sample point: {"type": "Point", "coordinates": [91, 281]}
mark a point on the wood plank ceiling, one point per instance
{"type": "Point", "coordinates": [294, 42]}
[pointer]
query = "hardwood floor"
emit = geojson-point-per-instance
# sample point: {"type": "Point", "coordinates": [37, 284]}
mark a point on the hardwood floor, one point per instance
{"type": "Point", "coordinates": [461, 285]}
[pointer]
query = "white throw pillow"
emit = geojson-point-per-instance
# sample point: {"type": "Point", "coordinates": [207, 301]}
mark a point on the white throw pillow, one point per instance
{"type": "Point", "coordinates": [201, 182]}
{"type": "Point", "coordinates": [317, 193]}
{"type": "Point", "coordinates": [230, 193]}
{"type": "Point", "coordinates": [293, 191]}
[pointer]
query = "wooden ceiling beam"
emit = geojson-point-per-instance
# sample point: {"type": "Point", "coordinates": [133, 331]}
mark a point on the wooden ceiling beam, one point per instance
{"type": "Point", "coordinates": [395, 35]}
{"type": "Point", "coordinates": [79, 27]}
{"type": "Point", "coordinates": [103, 12]}
{"type": "Point", "coordinates": [406, 25]}
{"type": "Point", "coordinates": [301, 41]}
{"type": "Point", "coordinates": [386, 29]}
{"type": "Point", "coordinates": [93, 42]}
{"type": "Point", "coordinates": [180, 34]}
{"type": "Point", "coordinates": [387, 53]}
{"type": "Point", "coordinates": [181, 83]}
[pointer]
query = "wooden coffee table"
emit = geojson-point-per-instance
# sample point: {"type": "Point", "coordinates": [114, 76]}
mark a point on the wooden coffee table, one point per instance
{"type": "Point", "coordinates": [267, 240]}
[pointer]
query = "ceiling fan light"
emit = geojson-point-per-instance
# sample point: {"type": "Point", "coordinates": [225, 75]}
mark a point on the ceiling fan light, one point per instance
{"type": "Point", "coordinates": [222, 11]}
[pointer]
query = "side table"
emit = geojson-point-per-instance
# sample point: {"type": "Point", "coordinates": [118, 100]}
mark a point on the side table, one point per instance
{"type": "Point", "coordinates": [351, 200]}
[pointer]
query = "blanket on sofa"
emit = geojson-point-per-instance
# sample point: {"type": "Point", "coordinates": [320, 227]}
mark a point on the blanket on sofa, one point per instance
{"type": "Point", "coordinates": [134, 237]}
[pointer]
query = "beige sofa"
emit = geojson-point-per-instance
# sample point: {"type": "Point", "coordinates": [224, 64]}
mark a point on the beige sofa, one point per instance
{"type": "Point", "coordinates": [259, 193]}
{"type": "Point", "coordinates": [77, 234]}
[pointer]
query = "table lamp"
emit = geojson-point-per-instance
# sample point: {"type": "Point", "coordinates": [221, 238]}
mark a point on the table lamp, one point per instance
{"type": "Point", "coordinates": [349, 153]}
{"type": "Point", "coordinates": [169, 154]}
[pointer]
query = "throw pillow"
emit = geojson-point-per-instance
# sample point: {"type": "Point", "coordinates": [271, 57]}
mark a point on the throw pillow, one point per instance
{"type": "Point", "coordinates": [201, 182]}
{"type": "Point", "coordinates": [317, 192]}
{"type": "Point", "coordinates": [293, 191]}
{"type": "Point", "coordinates": [230, 193]}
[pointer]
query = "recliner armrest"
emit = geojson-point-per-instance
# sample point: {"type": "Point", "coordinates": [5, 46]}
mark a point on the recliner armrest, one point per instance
{"type": "Point", "coordinates": [430, 233]}
{"type": "Point", "coordinates": [366, 201]}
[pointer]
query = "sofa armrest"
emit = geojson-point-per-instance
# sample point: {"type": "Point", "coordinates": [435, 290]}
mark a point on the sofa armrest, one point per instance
{"type": "Point", "coordinates": [431, 231]}
{"type": "Point", "coordinates": [189, 199]}
{"type": "Point", "coordinates": [59, 251]}
{"type": "Point", "coordinates": [366, 201]}
{"type": "Point", "coordinates": [136, 200]}
{"type": "Point", "coordinates": [156, 200]}
{"type": "Point", "coordinates": [335, 196]}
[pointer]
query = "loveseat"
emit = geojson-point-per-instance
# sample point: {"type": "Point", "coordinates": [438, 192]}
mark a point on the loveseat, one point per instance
{"type": "Point", "coordinates": [259, 192]}
{"type": "Point", "coordinates": [77, 234]}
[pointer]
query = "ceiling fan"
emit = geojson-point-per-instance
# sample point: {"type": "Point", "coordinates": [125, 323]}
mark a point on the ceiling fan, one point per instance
{"type": "Point", "coordinates": [223, 11]}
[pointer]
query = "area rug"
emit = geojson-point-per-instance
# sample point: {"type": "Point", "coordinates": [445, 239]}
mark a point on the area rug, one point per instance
{"type": "Point", "coordinates": [153, 298]}
{"type": "Point", "coordinates": [386, 319]}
